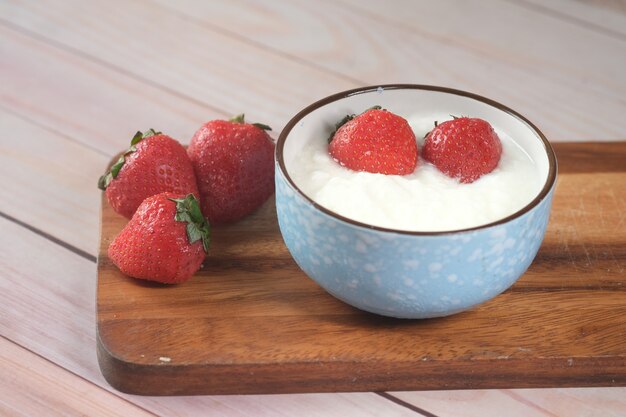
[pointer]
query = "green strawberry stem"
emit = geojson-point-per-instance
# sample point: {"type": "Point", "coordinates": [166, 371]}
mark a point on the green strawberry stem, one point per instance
{"type": "Point", "coordinates": [105, 180]}
{"type": "Point", "coordinates": [139, 136]}
{"type": "Point", "coordinates": [346, 119]}
{"type": "Point", "coordinates": [240, 118]}
{"type": "Point", "coordinates": [261, 126]}
{"type": "Point", "coordinates": [188, 210]}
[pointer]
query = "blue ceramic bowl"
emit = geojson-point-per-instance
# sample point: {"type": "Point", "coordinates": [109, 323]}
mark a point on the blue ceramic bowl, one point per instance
{"type": "Point", "coordinates": [403, 273]}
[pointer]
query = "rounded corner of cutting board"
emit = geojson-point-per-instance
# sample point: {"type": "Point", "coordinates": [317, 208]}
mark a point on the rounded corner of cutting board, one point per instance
{"type": "Point", "coordinates": [113, 369]}
{"type": "Point", "coordinates": [131, 377]}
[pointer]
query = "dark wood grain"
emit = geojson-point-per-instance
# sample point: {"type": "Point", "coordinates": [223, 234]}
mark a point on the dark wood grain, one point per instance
{"type": "Point", "coordinates": [591, 157]}
{"type": "Point", "coordinates": [251, 322]}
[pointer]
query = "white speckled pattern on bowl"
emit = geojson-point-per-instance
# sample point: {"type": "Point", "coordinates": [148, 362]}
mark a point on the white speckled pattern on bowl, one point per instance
{"type": "Point", "coordinates": [409, 274]}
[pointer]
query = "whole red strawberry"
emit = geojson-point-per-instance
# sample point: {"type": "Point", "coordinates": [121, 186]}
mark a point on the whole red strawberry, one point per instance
{"type": "Point", "coordinates": [463, 148]}
{"type": "Point", "coordinates": [234, 165]}
{"type": "Point", "coordinates": [154, 163]}
{"type": "Point", "coordinates": [375, 141]}
{"type": "Point", "coordinates": [165, 241]}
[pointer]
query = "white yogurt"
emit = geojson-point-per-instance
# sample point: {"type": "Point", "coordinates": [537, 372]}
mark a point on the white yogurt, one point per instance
{"type": "Point", "coordinates": [426, 200]}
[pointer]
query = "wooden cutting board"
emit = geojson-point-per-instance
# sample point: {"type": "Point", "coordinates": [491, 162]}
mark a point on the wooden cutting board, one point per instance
{"type": "Point", "coordinates": [251, 322]}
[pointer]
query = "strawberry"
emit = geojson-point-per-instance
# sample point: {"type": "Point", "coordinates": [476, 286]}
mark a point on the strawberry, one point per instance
{"type": "Point", "coordinates": [234, 164]}
{"type": "Point", "coordinates": [165, 241]}
{"type": "Point", "coordinates": [375, 141]}
{"type": "Point", "coordinates": [153, 164]}
{"type": "Point", "coordinates": [463, 148]}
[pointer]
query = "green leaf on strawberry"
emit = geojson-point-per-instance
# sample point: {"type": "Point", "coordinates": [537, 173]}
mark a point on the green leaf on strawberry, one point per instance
{"type": "Point", "coordinates": [188, 210]}
{"type": "Point", "coordinates": [241, 119]}
{"type": "Point", "coordinates": [261, 126]}
{"type": "Point", "coordinates": [105, 180]}
{"type": "Point", "coordinates": [346, 119]}
{"type": "Point", "coordinates": [139, 136]}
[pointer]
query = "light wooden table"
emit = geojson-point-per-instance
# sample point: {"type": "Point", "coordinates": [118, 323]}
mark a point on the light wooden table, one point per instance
{"type": "Point", "coordinates": [78, 78]}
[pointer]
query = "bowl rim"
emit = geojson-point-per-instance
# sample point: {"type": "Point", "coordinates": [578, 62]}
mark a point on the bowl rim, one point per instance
{"type": "Point", "coordinates": [549, 184]}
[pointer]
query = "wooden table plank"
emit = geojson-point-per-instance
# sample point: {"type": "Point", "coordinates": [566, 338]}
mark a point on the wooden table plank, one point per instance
{"type": "Point", "coordinates": [53, 182]}
{"type": "Point", "coordinates": [605, 16]}
{"type": "Point", "coordinates": [88, 102]}
{"type": "Point", "coordinates": [605, 402]}
{"type": "Point", "coordinates": [41, 388]}
{"type": "Point", "coordinates": [567, 97]}
{"type": "Point", "coordinates": [208, 67]}
{"type": "Point", "coordinates": [553, 97]}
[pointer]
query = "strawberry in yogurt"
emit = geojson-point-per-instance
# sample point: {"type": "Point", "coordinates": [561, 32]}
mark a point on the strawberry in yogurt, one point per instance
{"type": "Point", "coordinates": [440, 193]}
